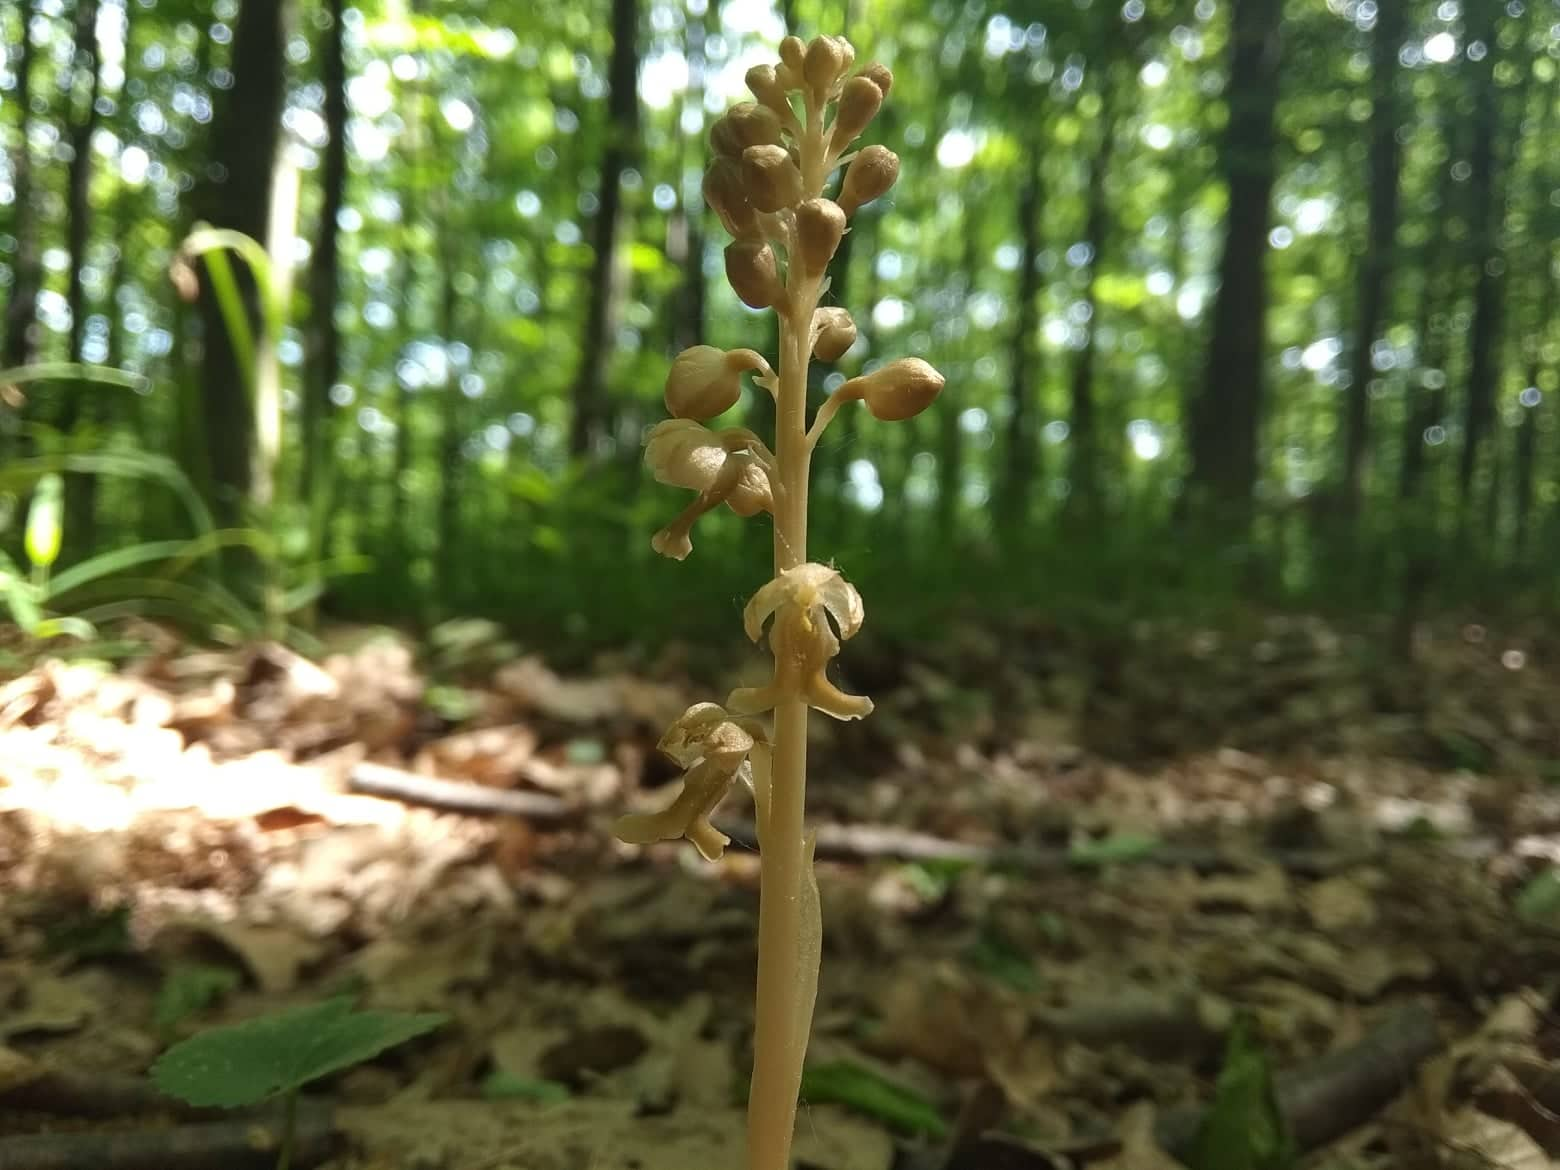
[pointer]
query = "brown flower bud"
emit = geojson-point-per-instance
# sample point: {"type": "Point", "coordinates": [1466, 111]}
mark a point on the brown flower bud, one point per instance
{"type": "Point", "coordinates": [754, 273]}
{"type": "Point", "coordinates": [871, 173]}
{"type": "Point", "coordinates": [182, 273]}
{"type": "Point", "coordinates": [834, 332]}
{"type": "Point", "coordinates": [902, 389]}
{"type": "Point", "coordinates": [705, 381]}
{"type": "Point", "coordinates": [879, 76]}
{"type": "Point", "coordinates": [771, 177]}
{"type": "Point", "coordinates": [745, 124]}
{"type": "Point", "coordinates": [860, 101]}
{"type": "Point", "coordinates": [727, 196]}
{"type": "Point", "coordinates": [792, 53]}
{"type": "Point", "coordinates": [826, 60]}
{"type": "Point", "coordinates": [820, 225]}
{"type": "Point", "coordinates": [765, 85]}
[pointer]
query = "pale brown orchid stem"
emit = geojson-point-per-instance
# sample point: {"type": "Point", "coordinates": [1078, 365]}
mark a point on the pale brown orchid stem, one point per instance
{"type": "Point", "coordinates": [785, 990]}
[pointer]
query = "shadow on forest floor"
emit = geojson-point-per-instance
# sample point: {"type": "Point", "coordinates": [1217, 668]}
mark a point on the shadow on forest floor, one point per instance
{"type": "Point", "coordinates": [1021, 934]}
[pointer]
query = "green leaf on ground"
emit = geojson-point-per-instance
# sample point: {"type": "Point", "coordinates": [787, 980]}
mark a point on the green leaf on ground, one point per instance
{"type": "Point", "coordinates": [1116, 849]}
{"type": "Point", "coordinates": [842, 1082]}
{"type": "Point", "coordinates": [261, 1058]}
{"type": "Point", "coordinates": [1244, 1128]}
{"type": "Point", "coordinates": [190, 989]}
{"type": "Point", "coordinates": [1539, 900]}
{"type": "Point", "coordinates": [506, 1086]}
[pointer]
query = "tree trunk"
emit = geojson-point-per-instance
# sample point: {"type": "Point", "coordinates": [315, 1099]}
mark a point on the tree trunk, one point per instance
{"type": "Point", "coordinates": [688, 328]}
{"type": "Point", "coordinates": [1025, 373]}
{"type": "Point", "coordinates": [82, 403]}
{"type": "Point", "coordinates": [1487, 204]}
{"type": "Point", "coordinates": [1426, 400]}
{"type": "Point", "coordinates": [1229, 409]}
{"type": "Point", "coordinates": [325, 263]}
{"type": "Point", "coordinates": [1083, 435]}
{"type": "Point", "coordinates": [1546, 303]}
{"type": "Point", "coordinates": [1377, 264]}
{"type": "Point", "coordinates": [592, 407]}
{"type": "Point", "coordinates": [237, 194]}
{"type": "Point", "coordinates": [451, 465]}
{"type": "Point", "coordinates": [19, 344]}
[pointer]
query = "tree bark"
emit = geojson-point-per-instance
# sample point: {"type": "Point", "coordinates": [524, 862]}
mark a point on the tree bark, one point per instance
{"type": "Point", "coordinates": [1485, 198]}
{"type": "Point", "coordinates": [1025, 373]}
{"type": "Point", "coordinates": [1229, 409]}
{"type": "Point", "coordinates": [19, 345]}
{"type": "Point", "coordinates": [325, 263]}
{"type": "Point", "coordinates": [592, 407]}
{"type": "Point", "coordinates": [82, 403]}
{"type": "Point", "coordinates": [237, 194]}
{"type": "Point", "coordinates": [1546, 303]}
{"type": "Point", "coordinates": [1084, 435]}
{"type": "Point", "coordinates": [1378, 261]}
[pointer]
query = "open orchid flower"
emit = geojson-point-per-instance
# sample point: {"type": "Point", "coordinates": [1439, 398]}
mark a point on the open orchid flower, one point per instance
{"type": "Point", "coordinates": [802, 602]}
{"type": "Point", "coordinates": [729, 466]}
{"type": "Point", "coordinates": [713, 748]}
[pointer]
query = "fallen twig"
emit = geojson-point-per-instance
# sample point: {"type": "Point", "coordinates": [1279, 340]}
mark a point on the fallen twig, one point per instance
{"type": "Point", "coordinates": [458, 796]}
{"type": "Point", "coordinates": [1331, 1095]}
{"type": "Point", "coordinates": [1320, 1101]}
{"type": "Point", "coordinates": [870, 842]}
{"type": "Point", "coordinates": [222, 1145]}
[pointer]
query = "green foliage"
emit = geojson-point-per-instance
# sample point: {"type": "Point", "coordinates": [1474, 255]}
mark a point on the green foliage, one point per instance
{"type": "Point", "coordinates": [1114, 849]}
{"type": "Point", "coordinates": [1244, 1128]}
{"type": "Point", "coordinates": [91, 934]}
{"type": "Point", "coordinates": [505, 1086]}
{"type": "Point", "coordinates": [1538, 901]}
{"type": "Point", "coordinates": [280, 1053]}
{"type": "Point", "coordinates": [189, 989]}
{"type": "Point", "coordinates": [843, 1082]}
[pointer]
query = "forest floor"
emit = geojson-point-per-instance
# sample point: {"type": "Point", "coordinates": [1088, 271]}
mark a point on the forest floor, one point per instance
{"type": "Point", "coordinates": [1049, 886]}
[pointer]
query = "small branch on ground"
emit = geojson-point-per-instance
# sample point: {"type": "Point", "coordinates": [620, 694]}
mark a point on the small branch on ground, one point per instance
{"type": "Point", "coordinates": [457, 796]}
{"type": "Point", "coordinates": [249, 1144]}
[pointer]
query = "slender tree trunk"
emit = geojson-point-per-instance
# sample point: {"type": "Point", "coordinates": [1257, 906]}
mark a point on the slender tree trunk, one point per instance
{"type": "Point", "coordinates": [688, 328]}
{"type": "Point", "coordinates": [1229, 411]}
{"type": "Point", "coordinates": [592, 421]}
{"type": "Point", "coordinates": [1427, 391]}
{"type": "Point", "coordinates": [237, 194]}
{"type": "Point", "coordinates": [399, 522]}
{"type": "Point", "coordinates": [19, 343]}
{"type": "Point", "coordinates": [1546, 301]}
{"type": "Point", "coordinates": [451, 465]}
{"type": "Point", "coordinates": [1026, 375]}
{"type": "Point", "coordinates": [1084, 434]}
{"type": "Point", "coordinates": [82, 403]}
{"type": "Point", "coordinates": [1485, 199]}
{"type": "Point", "coordinates": [325, 263]}
{"type": "Point", "coordinates": [1376, 266]}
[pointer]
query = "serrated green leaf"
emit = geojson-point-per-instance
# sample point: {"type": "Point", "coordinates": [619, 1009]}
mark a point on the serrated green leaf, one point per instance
{"type": "Point", "coordinates": [842, 1082]}
{"type": "Point", "coordinates": [261, 1058]}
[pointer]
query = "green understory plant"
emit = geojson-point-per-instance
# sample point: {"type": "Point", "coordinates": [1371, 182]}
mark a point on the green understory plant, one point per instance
{"type": "Point", "coordinates": [774, 157]}
{"type": "Point", "coordinates": [276, 1055]}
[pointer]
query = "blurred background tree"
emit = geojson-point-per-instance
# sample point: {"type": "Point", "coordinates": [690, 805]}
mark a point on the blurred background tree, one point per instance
{"type": "Point", "coordinates": [1239, 300]}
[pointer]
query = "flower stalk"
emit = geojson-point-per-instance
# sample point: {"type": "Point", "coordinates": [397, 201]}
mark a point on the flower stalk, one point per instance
{"type": "Point", "coordinates": [774, 159]}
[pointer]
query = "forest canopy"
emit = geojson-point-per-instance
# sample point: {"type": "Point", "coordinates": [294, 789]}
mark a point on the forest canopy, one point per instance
{"type": "Point", "coordinates": [1241, 298]}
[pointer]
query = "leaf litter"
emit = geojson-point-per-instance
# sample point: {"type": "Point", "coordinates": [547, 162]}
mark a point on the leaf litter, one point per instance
{"type": "Point", "coordinates": [1052, 892]}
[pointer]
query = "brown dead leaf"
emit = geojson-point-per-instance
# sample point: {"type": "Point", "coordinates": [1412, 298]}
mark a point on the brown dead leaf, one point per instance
{"type": "Point", "coordinates": [16, 1070]}
{"type": "Point", "coordinates": [273, 955]}
{"type": "Point", "coordinates": [1265, 891]}
{"type": "Point", "coordinates": [1340, 904]}
{"type": "Point", "coordinates": [418, 975]}
{"type": "Point", "coordinates": [492, 756]}
{"type": "Point", "coordinates": [1494, 1143]}
{"type": "Point", "coordinates": [51, 1003]}
{"type": "Point", "coordinates": [938, 1015]}
{"type": "Point", "coordinates": [1139, 1150]}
